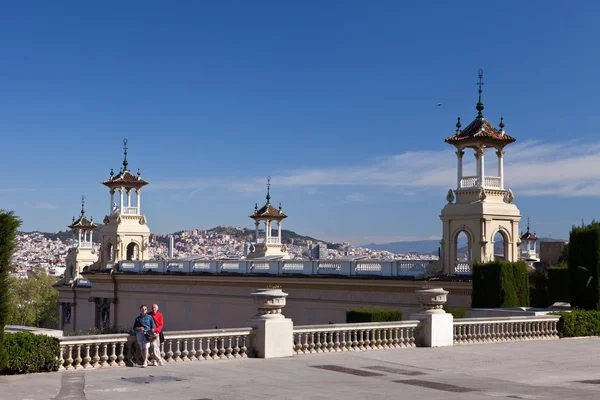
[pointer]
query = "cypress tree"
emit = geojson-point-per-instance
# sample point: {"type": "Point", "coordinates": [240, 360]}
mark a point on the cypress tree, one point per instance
{"type": "Point", "coordinates": [9, 224]}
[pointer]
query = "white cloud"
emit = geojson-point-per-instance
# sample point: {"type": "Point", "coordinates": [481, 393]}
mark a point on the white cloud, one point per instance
{"type": "Point", "coordinates": [354, 198]}
{"type": "Point", "coordinates": [15, 190]}
{"type": "Point", "coordinates": [532, 168]}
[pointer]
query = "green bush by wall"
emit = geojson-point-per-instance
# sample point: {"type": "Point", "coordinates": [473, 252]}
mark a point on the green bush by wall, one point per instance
{"type": "Point", "coordinates": [538, 294]}
{"type": "Point", "coordinates": [457, 312]}
{"type": "Point", "coordinates": [558, 284]}
{"type": "Point", "coordinates": [578, 323]}
{"type": "Point", "coordinates": [500, 284]}
{"type": "Point", "coordinates": [372, 315]}
{"type": "Point", "coordinates": [28, 352]}
{"type": "Point", "coordinates": [584, 262]}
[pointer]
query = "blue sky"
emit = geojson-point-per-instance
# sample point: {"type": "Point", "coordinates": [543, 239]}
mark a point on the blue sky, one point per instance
{"type": "Point", "coordinates": [336, 100]}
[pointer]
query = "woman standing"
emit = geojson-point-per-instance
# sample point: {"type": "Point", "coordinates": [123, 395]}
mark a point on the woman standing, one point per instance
{"type": "Point", "coordinates": [144, 323]}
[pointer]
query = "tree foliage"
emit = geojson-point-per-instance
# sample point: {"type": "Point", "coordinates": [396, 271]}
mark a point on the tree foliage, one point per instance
{"type": "Point", "coordinates": [33, 301]}
{"type": "Point", "coordinates": [9, 224]}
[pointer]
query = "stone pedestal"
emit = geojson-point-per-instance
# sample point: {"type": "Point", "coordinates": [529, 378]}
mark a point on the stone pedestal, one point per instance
{"type": "Point", "coordinates": [436, 327]}
{"type": "Point", "coordinates": [272, 334]}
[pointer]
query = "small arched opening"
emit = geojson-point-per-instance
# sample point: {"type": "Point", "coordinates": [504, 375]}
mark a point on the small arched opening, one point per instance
{"type": "Point", "coordinates": [133, 252]}
{"type": "Point", "coordinates": [500, 242]}
{"type": "Point", "coordinates": [462, 251]}
{"type": "Point", "coordinates": [109, 251]}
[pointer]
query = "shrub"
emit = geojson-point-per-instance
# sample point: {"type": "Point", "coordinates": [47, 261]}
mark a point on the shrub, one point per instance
{"type": "Point", "coordinates": [457, 312]}
{"type": "Point", "coordinates": [584, 262]}
{"type": "Point", "coordinates": [500, 284]}
{"type": "Point", "coordinates": [578, 323]}
{"type": "Point", "coordinates": [372, 315]}
{"type": "Point", "coordinates": [28, 352]}
{"type": "Point", "coordinates": [558, 284]}
{"type": "Point", "coordinates": [538, 295]}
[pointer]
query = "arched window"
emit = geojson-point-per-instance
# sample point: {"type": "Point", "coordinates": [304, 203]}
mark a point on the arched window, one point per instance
{"type": "Point", "coordinates": [133, 252]}
{"type": "Point", "coordinates": [500, 246]}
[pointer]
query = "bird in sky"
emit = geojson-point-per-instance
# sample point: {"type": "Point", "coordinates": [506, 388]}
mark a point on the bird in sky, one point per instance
{"type": "Point", "coordinates": [439, 104]}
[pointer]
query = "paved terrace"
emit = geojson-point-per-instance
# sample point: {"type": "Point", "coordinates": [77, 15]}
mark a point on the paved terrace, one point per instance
{"type": "Point", "coordinates": [551, 369]}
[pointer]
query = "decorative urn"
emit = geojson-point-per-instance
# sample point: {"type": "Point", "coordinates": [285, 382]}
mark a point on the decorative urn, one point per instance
{"type": "Point", "coordinates": [432, 300]}
{"type": "Point", "coordinates": [269, 303]}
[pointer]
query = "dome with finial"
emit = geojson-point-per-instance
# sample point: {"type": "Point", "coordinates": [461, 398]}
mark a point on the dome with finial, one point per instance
{"type": "Point", "coordinates": [125, 178]}
{"type": "Point", "coordinates": [480, 130]}
{"type": "Point", "coordinates": [267, 211]}
{"type": "Point", "coordinates": [82, 222]}
{"type": "Point", "coordinates": [528, 235]}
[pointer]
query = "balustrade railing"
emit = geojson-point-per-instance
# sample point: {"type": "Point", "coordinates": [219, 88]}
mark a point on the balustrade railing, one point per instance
{"type": "Point", "coordinates": [274, 240]}
{"type": "Point", "coordinates": [469, 182]}
{"type": "Point", "coordinates": [462, 267]}
{"type": "Point", "coordinates": [119, 350]}
{"type": "Point", "coordinates": [96, 351]}
{"type": "Point", "coordinates": [354, 337]}
{"type": "Point", "coordinates": [493, 182]}
{"type": "Point", "coordinates": [507, 329]}
{"type": "Point", "coordinates": [83, 245]}
{"type": "Point", "coordinates": [129, 210]}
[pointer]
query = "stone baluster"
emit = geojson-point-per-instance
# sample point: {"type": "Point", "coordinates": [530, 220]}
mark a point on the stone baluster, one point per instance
{"type": "Point", "coordinates": [200, 353]}
{"type": "Point", "coordinates": [96, 357]}
{"type": "Point", "coordinates": [311, 343]}
{"type": "Point", "coordinates": [336, 343]}
{"type": "Point", "coordinates": [61, 359]}
{"type": "Point", "coordinates": [104, 358]}
{"type": "Point", "coordinates": [185, 352]}
{"type": "Point", "coordinates": [236, 348]}
{"type": "Point", "coordinates": [121, 355]}
{"type": "Point", "coordinates": [113, 355]}
{"type": "Point", "coordinates": [222, 348]}
{"type": "Point", "coordinates": [343, 342]}
{"type": "Point", "coordinates": [77, 360]}
{"type": "Point", "coordinates": [69, 360]}
{"type": "Point", "coordinates": [208, 350]}
{"type": "Point", "coordinates": [214, 354]}
{"type": "Point", "coordinates": [361, 342]}
{"type": "Point", "coordinates": [87, 358]}
{"type": "Point", "coordinates": [244, 349]}
{"type": "Point", "coordinates": [412, 337]}
{"type": "Point", "coordinates": [192, 354]}
{"type": "Point", "coordinates": [177, 355]}
{"type": "Point", "coordinates": [169, 354]}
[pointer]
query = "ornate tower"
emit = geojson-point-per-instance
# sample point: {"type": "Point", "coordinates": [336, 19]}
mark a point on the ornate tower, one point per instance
{"type": "Point", "coordinates": [268, 245]}
{"type": "Point", "coordinates": [479, 206]}
{"type": "Point", "coordinates": [82, 252]}
{"type": "Point", "coordinates": [125, 233]}
{"type": "Point", "coordinates": [529, 245]}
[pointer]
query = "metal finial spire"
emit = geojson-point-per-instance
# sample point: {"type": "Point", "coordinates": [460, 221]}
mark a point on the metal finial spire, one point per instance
{"type": "Point", "coordinates": [527, 224]}
{"type": "Point", "coordinates": [458, 125]}
{"type": "Point", "coordinates": [73, 219]}
{"type": "Point", "coordinates": [268, 190]}
{"type": "Point", "coordinates": [501, 123]}
{"type": "Point", "coordinates": [111, 173]}
{"type": "Point", "coordinates": [255, 207]}
{"type": "Point", "coordinates": [479, 106]}
{"type": "Point", "coordinates": [125, 163]}
{"type": "Point", "coordinates": [279, 206]}
{"type": "Point", "coordinates": [139, 173]}
{"type": "Point", "coordinates": [82, 204]}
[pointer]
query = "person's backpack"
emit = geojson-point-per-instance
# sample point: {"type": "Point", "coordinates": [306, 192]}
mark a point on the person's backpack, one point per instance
{"type": "Point", "coordinates": [161, 337]}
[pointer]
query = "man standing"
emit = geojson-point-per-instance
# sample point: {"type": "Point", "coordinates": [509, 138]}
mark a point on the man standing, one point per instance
{"type": "Point", "coordinates": [143, 323]}
{"type": "Point", "coordinates": [158, 321]}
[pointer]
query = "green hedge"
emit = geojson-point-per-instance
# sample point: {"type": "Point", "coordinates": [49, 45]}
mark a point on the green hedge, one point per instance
{"type": "Point", "coordinates": [584, 263]}
{"type": "Point", "coordinates": [28, 352]}
{"type": "Point", "coordinates": [372, 315]}
{"type": "Point", "coordinates": [457, 312]}
{"type": "Point", "coordinates": [538, 294]}
{"type": "Point", "coordinates": [500, 284]}
{"type": "Point", "coordinates": [578, 323]}
{"type": "Point", "coordinates": [558, 284]}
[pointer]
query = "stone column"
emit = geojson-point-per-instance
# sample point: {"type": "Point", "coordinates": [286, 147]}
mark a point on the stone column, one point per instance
{"type": "Point", "coordinates": [481, 166]}
{"type": "Point", "coordinates": [272, 333]}
{"type": "Point", "coordinates": [500, 155]}
{"type": "Point", "coordinates": [256, 233]}
{"type": "Point", "coordinates": [79, 244]}
{"type": "Point", "coordinates": [121, 204]}
{"type": "Point", "coordinates": [112, 200]}
{"type": "Point", "coordinates": [279, 230]}
{"type": "Point", "coordinates": [128, 197]}
{"type": "Point", "coordinates": [459, 175]}
{"type": "Point", "coordinates": [437, 326]}
{"type": "Point", "coordinates": [137, 202]}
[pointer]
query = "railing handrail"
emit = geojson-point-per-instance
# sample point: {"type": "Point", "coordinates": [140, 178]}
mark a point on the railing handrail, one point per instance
{"type": "Point", "coordinates": [358, 325]}
{"type": "Point", "coordinates": [86, 339]}
{"type": "Point", "coordinates": [524, 318]}
{"type": "Point", "coordinates": [207, 333]}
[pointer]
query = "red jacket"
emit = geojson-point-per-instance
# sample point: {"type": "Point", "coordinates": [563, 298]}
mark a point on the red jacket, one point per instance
{"type": "Point", "coordinates": [158, 320]}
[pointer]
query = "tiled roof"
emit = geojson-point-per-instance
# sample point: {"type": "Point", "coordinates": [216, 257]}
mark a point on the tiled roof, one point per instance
{"type": "Point", "coordinates": [268, 211]}
{"type": "Point", "coordinates": [480, 128]}
{"type": "Point", "coordinates": [125, 178]}
{"type": "Point", "coordinates": [529, 236]}
{"type": "Point", "coordinates": [82, 222]}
